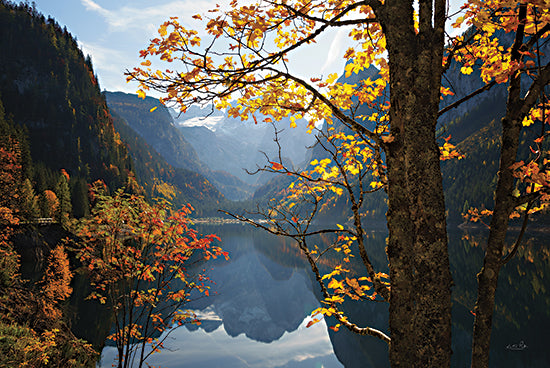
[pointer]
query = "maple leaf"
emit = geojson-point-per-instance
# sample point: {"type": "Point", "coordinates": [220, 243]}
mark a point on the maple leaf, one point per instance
{"type": "Point", "coordinates": [276, 166]}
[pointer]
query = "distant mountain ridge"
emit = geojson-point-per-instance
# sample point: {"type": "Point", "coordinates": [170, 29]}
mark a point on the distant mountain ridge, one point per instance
{"type": "Point", "coordinates": [235, 146]}
{"type": "Point", "coordinates": [154, 123]}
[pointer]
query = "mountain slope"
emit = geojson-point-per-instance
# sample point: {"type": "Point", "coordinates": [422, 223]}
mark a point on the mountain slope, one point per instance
{"type": "Point", "coordinates": [48, 86]}
{"type": "Point", "coordinates": [474, 128]}
{"type": "Point", "coordinates": [157, 129]}
{"type": "Point", "coordinates": [160, 179]}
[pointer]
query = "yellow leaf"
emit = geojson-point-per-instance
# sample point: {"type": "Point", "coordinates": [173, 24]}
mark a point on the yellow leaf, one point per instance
{"type": "Point", "coordinates": [292, 122]}
{"type": "Point", "coordinates": [331, 78]}
{"type": "Point", "coordinates": [141, 94]}
{"type": "Point", "coordinates": [335, 284]}
{"type": "Point", "coordinates": [466, 70]}
{"type": "Point", "coordinates": [153, 109]}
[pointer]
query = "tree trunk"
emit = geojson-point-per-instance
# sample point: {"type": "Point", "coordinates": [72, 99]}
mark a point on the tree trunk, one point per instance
{"type": "Point", "coordinates": [504, 205]}
{"type": "Point", "coordinates": [420, 301]}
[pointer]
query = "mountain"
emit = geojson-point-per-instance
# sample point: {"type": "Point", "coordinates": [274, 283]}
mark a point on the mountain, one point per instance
{"type": "Point", "coordinates": [157, 126]}
{"type": "Point", "coordinates": [234, 146]}
{"type": "Point", "coordinates": [49, 89]}
{"type": "Point", "coordinates": [160, 179]}
{"type": "Point", "coordinates": [52, 97]}
{"type": "Point", "coordinates": [154, 123]}
{"type": "Point", "coordinates": [474, 128]}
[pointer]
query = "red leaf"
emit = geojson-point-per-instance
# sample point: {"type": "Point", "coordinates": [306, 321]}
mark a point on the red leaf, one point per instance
{"type": "Point", "coordinates": [312, 322]}
{"type": "Point", "coordinates": [335, 328]}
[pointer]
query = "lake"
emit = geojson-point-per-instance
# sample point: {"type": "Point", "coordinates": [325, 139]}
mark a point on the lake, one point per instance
{"type": "Point", "coordinates": [257, 313]}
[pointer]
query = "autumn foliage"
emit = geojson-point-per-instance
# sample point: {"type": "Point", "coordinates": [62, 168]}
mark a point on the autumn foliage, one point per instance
{"type": "Point", "coordinates": [32, 326]}
{"type": "Point", "coordinates": [56, 282]}
{"type": "Point", "coordinates": [139, 258]}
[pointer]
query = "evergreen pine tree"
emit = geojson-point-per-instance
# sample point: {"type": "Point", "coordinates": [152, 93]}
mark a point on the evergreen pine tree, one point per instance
{"type": "Point", "coordinates": [80, 202]}
{"type": "Point", "coordinates": [28, 201]}
{"type": "Point", "coordinates": [63, 193]}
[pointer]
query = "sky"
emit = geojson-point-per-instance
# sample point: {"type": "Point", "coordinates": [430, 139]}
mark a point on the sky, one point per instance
{"type": "Point", "coordinates": [113, 31]}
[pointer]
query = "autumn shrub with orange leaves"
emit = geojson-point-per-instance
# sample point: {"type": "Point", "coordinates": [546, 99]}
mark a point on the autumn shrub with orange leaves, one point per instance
{"type": "Point", "coordinates": [55, 283]}
{"type": "Point", "coordinates": [138, 257]}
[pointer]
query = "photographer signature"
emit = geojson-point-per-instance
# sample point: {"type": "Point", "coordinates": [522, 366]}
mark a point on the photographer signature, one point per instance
{"type": "Point", "coordinates": [517, 347]}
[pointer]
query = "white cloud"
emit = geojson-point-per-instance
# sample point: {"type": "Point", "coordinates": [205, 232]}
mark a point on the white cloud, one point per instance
{"type": "Point", "coordinates": [133, 17]}
{"type": "Point", "coordinates": [335, 51]}
{"type": "Point", "coordinates": [108, 58]}
{"type": "Point", "coordinates": [110, 65]}
{"type": "Point", "coordinates": [90, 5]}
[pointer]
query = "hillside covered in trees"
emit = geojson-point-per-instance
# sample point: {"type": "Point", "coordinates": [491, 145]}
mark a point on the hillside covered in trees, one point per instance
{"type": "Point", "coordinates": [155, 126]}
{"type": "Point", "coordinates": [50, 93]}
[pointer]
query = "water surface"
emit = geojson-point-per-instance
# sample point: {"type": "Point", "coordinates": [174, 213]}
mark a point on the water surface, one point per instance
{"type": "Point", "coordinates": [264, 294]}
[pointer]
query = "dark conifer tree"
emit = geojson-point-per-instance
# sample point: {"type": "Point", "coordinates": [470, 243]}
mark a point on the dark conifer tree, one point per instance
{"type": "Point", "coordinates": [63, 193]}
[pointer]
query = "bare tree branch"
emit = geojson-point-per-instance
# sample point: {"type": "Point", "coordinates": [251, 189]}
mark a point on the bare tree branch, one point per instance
{"type": "Point", "coordinates": [455, 104]}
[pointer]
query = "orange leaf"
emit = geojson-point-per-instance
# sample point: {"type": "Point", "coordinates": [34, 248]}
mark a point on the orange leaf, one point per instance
{"type": "Point", "coordinates": [312, 322]}
{"type": "Point", "coordinates": [276, 165]}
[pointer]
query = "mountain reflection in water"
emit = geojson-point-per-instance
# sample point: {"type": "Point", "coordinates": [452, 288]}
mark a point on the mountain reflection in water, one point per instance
{"type": "Point", "coordinates": [265, 292]}
{"type": "Point", "coordinates": [255, 315]}
{"type": "Point", "coordinates": [302, 348]}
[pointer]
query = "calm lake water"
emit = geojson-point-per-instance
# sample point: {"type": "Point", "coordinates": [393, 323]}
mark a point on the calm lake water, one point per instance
{"type": "Point", "coordinates": [265, 293]}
